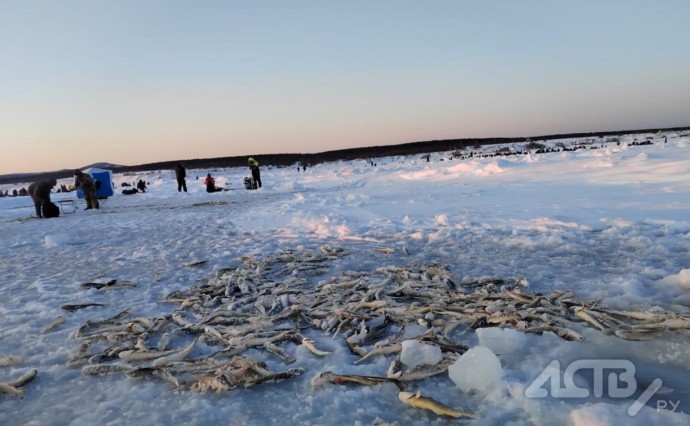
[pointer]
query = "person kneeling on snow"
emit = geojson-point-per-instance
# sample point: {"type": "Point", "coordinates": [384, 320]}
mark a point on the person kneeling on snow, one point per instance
{"type": "Point", "coordinates": [211, 184]}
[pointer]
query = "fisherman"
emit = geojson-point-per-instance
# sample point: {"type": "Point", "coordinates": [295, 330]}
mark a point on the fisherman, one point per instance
{"type": "Point", "coordinates": [180, 174]}
{"type": "Point", "coordinates": [256, 173]}
{"type": "Point", "coordinates": [210, 183]}
{"type": "Point", "coordinates": [85, 182]}
{"type": "Point", "coordinates": [40, 194]}
{"type": "Point", "coordinates": [141, 186]}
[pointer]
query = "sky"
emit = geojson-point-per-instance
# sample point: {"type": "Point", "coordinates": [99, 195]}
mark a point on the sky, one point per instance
{"type": "Point", "coordinates": [131, 82]}
{"type": "Point", "coordinates": [610, 225]}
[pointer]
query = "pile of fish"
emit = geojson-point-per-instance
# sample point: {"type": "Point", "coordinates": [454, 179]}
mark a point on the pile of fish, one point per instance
{"type": "Point", "coordinates": [278, 302]}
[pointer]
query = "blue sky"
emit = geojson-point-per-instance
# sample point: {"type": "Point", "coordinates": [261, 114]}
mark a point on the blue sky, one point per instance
{"type": "Point", "coordinates": [133, 82]}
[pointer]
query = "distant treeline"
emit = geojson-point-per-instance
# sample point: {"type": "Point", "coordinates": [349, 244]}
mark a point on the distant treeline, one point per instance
{"type": "Point", "coordinates": [366, 153]}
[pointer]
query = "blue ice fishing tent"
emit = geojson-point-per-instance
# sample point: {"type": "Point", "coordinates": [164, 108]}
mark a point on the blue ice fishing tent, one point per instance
{"type": "Point", "coordinates": [106, 179]}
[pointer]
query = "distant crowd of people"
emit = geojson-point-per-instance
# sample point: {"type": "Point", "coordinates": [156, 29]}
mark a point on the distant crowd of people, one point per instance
{"type": "Point", "coordinates": [40, 191]}
{"type": "Point", "coordinates": [23, 192]}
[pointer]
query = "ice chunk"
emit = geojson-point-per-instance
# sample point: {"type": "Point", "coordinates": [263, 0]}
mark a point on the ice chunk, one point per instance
{"type": "Point", "coordinates": [415, 353]}
{"type": "Point", "coordinates": [478, 368]}
{"type": "Point", "coordinates": [501, 341]}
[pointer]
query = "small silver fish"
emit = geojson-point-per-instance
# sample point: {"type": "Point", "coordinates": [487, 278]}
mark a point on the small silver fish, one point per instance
{"type": "Point", "coordinates": [57, 321]}
{"type": "Point", "coordinates": [309, 344]}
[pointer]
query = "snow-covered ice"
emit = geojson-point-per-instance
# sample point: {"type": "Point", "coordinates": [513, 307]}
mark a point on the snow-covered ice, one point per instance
{"type": "Point", "coordinates": [611, 224]}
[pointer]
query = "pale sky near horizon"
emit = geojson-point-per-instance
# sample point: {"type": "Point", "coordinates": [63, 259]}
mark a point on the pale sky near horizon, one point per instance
{"type": "Point", "coordinates": [132, 82]}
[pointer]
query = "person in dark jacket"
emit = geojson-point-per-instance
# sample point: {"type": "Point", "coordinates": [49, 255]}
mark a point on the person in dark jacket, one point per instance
{"type": "Point", "coordinates": [256, 173]}
{"type": "Point", "coordinates": [40, 194]}
{"type": "Point", "coordinates": [141, 186]}
{"type": "Point", "coordinates": [181, 174]}
{"type": "Point", "coordinates": [85, 182]}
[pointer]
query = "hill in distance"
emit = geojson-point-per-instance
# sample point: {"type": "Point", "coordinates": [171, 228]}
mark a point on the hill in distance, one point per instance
{"type": "Point", "coordinates": [410, 148]}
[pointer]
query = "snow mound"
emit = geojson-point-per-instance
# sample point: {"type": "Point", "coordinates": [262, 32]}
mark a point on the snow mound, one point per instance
{"type": "Point", "coordinates": [491, 169]}
{"type": "Point", "coordinates": [680, 280]}
{"type": "Point", "coordinates": [57, 240]}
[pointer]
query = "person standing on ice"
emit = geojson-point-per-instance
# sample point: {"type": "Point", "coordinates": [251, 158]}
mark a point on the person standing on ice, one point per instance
{"type": "Point", "coordinates": [256, 173]}
{"type": "Point", "coordinates": [85, 182]}
{"type": "Point", "coordinates": [40, 194]}
{"type": "Point", "coordinates": [180, 175]}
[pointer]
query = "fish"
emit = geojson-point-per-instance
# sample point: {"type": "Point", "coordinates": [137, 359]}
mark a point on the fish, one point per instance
{"type": "Point", "coordinates": [353, 379]}
{"type": "Point", "coordinates": [372, 306]}
{"type": "Point", "coordinates": [98, 286]}
{"type": "Point", "coordinates": [193, 264]}
{"type": "Point", "coordinates": [212, 383]}
{"type": "Point", "coordinates": [385, 250]}
{"type": "Point", "coordinates": [24, 378]}
{"type": "Point", "coordinates": [102, 369]}
{"type": "Point", "coordinates": [279, 352]}
{"type": "Point", "coordinates": [642, 316]}
{"type": "Point", "coordinates": [520, 296]}
{"type": "Point", "coordinates": [176, 356]}
{"type": "Point", "coordinates": [309, 344]}
{"type": "Point", "coordinates": [163, 341]}
{"type": "Point", "coordinates": [6, 361]}
{"type": "Point", "coordinates": [248, 305]}
{"type": "Point", "coordinates": [423, 371]}
{"type": "Point", "coordinates": [56, 322]}
{"type": "Point", "coordinates": [670, 324]}
{"type": "Point", "coordinates": [270, 377]}
{"type": "Point", "coordinates": [355, 349]}
{"type": "Point", "coordinates": [385, 350]}
{"type": "Point", "coordinates": [248, 328]}
{"type": "Point", "coordinates": [78, 360]}
{"type": "Point", "coordinates": [108, 321]}
{"type": "Point", "coordinates": [632, 335]}
{"type": "Point", "coordinates": [582, 313]}
{"type": "Point", "coordinates": [142, 342]}
{"type": "Point", "coordinates": [103, 332]}
{"type": "Point", "coordinates": [110, 284]}
{"type": "Point", "coordinates": [132, 355]}
{"type": "Point", "coordinates": [395, 369]}
{"type": "Point", "coordinates": [11, 390]}
{"type": "Point", "coordinates": [76, 307]}
{"type": "Point", "coordinates": [416, 400]}
{"type": "Point", "coordinates": [147, 372]}
{"type": "Point", "coordinates": [562, 332]}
